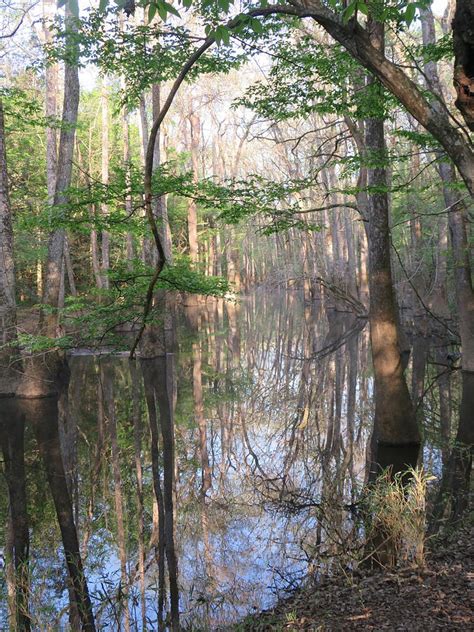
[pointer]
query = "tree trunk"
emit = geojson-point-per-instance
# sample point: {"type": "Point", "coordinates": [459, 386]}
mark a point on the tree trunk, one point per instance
{"type": "Point", "coordinates": [463, 42]}
{"type": "Point", "coordinates": [7, 268]}
{"type": "Point", "coordinates": [12, 428]}
{"type": "Point", "coordinates": [396, 437]}
{"type": "Point", "coordinates": [105, 236]}
{"type": "Point", "coordinates": [11, 422]}
{"type": "Point", "coordinates": [457, 471]}
{"type": "Point", "coordinates": [195, 125]}
{"type": "Point", "coordinates": [62, 182]}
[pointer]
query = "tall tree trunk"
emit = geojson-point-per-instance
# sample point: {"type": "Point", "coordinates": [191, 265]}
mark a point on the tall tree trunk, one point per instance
{"type": "Point", "coordinates": [12, 428]}
{"type": "Point", "coordinates": [7, 267]}
{"type": "Point", "coordinates": [11, 422]}
{"type": "Point", "coordinates": [130, 247]}
{"type": "Point", "coordinates": [396, 437]}
{"type": "Point", "coordinates": [62, 181]}
{"type": "Point", "coordinates": [457, 478]}
{"type": "Point", "coordinates": [105, 236]}
{"type": "Point", "coordinates": [195, 125]}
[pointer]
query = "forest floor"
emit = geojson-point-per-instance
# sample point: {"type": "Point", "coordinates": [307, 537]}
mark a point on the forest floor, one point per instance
{"type": "Point", "coordinates": [439, 597]}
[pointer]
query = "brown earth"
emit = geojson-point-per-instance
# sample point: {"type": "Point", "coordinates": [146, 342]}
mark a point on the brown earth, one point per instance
{"type": "Point", "coordinates": [439, 597]}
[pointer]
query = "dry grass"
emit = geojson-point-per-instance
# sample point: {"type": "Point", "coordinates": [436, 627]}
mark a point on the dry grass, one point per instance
{"type": "Point", "coordinates": [397, 509]}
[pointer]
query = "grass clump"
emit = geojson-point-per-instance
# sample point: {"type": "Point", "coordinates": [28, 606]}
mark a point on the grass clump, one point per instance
{"type": "Point", "coordinates": [396, 510]}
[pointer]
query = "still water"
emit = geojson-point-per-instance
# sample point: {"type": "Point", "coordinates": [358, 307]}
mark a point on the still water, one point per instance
{"type": "Point", "coordinates": [266, 407]}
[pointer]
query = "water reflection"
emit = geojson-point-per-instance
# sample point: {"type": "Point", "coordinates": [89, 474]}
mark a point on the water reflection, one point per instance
{"type": "Point", "coordinates": [205, 477]}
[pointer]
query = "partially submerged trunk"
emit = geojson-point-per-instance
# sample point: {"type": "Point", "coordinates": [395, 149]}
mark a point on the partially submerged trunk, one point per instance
{"type": "Point", "coordinates": [456, 475]}
{"type": "Point", "coordinates": [12, 428]}
{"type": "Point", "coordinates": [396, 437]}
{"type": "Point", "coordinates": [11, 422]}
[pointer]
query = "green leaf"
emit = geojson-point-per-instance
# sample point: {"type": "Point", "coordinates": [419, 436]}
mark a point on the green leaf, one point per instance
{"type": "Point", "coordinates": [410, 13]}
{"type": "Point", "coordinates": [256, 26]}
{"type": "Point", "coordinates": [349, 11]}
{"type": "Point", "coordinates": [169, 8]}
{"type": "Point", "coordinates": [222, 35]}
{"type": "Point", "coordinates": [103, 5]}
{"type": "Point", "coordinates": [152, 12]}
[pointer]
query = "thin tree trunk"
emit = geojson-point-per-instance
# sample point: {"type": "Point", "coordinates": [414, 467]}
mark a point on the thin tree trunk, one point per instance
{"type": "Point", "coordinates": [195, 125]}
{"type": "Point", "coordinates": [105, 237]}
{"type": "Point", "coordinates": [458, 469]}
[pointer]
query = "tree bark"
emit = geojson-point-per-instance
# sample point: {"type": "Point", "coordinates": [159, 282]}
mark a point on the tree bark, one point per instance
{"type": "Point", "coordinates": [12, 428]}
{"type": "Point", "coordinates": [395, 424]}
{"type": "Point", "coordinates": [62, 181]}
{"type": "Point", "coordinates": [7, 267]}
{"type": "Point", "coordinates": [195, 125]}
{"type": "Point", "coordinates": [463, 42]}
{"type": "Point", "coordinates": [105, 236]}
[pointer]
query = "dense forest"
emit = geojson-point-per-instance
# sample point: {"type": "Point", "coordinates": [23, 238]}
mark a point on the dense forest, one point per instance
{"type": "Point", "coordinates": [237, 314]}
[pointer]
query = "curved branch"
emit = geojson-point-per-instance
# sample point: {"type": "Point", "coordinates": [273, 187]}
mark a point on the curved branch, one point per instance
{"type": "Point", "coordinates": [198, 53]}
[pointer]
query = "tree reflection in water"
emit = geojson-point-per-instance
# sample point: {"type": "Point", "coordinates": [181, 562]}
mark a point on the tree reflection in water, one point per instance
{"type": "Point", "coordinates": [209, 475]}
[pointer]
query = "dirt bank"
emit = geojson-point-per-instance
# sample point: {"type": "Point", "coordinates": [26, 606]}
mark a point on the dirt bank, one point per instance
{"type": "Point", "coordinates": [440, 597]}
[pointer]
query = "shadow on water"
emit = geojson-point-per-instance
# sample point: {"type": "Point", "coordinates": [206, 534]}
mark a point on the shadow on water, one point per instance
{"type": "Point", "coordinates": [203, 480]}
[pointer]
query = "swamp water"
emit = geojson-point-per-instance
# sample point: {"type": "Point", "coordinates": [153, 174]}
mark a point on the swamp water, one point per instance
{"type": "Point", "coordinates": [269, 406]}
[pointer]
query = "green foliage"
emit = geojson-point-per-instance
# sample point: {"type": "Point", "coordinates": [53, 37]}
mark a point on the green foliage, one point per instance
{"type": "Point", "coordinates": [309, 77]}
{"type": "Point", "coordinates": [23, 110]}
{"type": "Point", "coordinates": [278, 203]}
{"type": "Point", "coordinates": [39, 344]}
{"type": "Point", "coordinates": [442, 50]}
{"type": "Point", "coordinates": [95, 316]}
